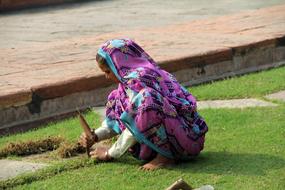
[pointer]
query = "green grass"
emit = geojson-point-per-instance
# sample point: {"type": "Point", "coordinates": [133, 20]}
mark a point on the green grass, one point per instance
{"type": "Point", "coordinates": [244, 150]}
{"type": "Point", "coordinates": [244, 147]}
{"type": "Point", "coordinates": [252, 85]}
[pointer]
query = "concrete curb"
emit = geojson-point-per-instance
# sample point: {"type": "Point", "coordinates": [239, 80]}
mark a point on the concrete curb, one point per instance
{"type": "Point", "coordinates": [238, 49]}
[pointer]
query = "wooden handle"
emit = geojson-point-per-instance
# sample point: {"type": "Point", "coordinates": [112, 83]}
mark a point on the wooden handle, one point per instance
{"type": "Point", "coordinates": [179, 184]}
{"type": "Point", "coordinates": [86, 129]}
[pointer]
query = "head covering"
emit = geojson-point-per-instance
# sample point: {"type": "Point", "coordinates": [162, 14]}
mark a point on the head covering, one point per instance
{"type": "Point", "coordinates": [124, 56]}
{"type": "Point", "coordinates": [151, 103]}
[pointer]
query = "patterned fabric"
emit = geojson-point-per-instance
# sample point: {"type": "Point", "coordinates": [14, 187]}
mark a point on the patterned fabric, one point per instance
{"type": "Point", "coordinates": [159, 112]}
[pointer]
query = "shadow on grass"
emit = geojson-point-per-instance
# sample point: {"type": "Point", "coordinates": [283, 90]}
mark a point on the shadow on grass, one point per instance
{"type": "Point", "coordinates": [232, 163]}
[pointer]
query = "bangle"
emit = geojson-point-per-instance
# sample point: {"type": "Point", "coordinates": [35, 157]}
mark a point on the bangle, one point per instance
{"type": "Point", "coordinates": [107, 156]}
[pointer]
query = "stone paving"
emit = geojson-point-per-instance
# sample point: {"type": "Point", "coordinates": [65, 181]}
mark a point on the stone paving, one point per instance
{"type": "Point", "coordinates": [235, 103]}
{"type": "Point", "coordinates": [93, 18]}
{"type": "Point", "coordinates": [277, 96]}
{"type": "Point", "coordinates": [12, 168]}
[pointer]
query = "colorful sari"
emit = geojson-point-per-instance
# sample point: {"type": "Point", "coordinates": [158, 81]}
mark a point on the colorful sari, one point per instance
{"type": "Point", "coordinates": [159, 112]}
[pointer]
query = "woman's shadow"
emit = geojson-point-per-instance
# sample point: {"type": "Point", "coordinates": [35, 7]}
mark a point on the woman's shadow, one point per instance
{"type": "Point", "coordinates": [232, 163]}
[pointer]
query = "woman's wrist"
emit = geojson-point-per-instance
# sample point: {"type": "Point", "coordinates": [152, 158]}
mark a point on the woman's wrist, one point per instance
{"type": "Point", "coordinates": [107, 156]}
{"type": "Point", "coordinates": [94, 136]}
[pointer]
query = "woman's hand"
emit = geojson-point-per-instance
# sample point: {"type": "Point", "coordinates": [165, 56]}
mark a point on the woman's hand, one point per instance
{"type": "Point", "coordinates": [101, 153]}
{"type": "Point", "coordinates": [85, 141]}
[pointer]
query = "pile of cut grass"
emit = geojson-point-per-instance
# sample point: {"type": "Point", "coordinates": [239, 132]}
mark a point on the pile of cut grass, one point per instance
{"type": "Point", "coordinates": [31, 147]}
{"type": "Point", "coordinates": [63, 148]}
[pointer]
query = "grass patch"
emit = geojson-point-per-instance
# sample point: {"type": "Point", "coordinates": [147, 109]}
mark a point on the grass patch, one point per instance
{"type": "Point", "coordinates": [244, 147]}
{"type": "Point", "coordinates": [251, 85]}
{"type": "Point", "coordinates": [244, 150]}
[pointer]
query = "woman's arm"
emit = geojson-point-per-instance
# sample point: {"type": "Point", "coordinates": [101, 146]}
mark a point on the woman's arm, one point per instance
{"type": "Point", "coordinates": [104, 132]}
{"type": "Point", "coordinates": [124, 142]}
{"type": "Point", "coordinates": [101, 133]}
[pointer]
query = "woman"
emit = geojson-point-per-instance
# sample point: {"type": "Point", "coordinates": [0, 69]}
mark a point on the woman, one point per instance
{"type": "Point", "coordinates": [155, 115]}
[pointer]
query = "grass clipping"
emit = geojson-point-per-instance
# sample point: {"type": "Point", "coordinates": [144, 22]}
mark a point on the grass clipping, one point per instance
{"type": "Point", "coordinates": [63, 148]}
{"type": "Point", "coordinates": [31, 147]}
{"type": "Point", "coordinates": [67, 150]}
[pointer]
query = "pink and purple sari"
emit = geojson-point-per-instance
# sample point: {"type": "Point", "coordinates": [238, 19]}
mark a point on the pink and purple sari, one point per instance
{"type": "Point", "coordinates": [159, 112]}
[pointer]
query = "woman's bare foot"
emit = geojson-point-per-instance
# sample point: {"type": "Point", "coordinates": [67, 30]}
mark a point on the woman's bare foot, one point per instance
{"type": "Point", "coordinates": [158, 162]}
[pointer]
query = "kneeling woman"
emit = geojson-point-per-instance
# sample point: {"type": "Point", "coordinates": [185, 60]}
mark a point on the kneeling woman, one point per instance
{"type": "Point", "coordinates": [155, 116]}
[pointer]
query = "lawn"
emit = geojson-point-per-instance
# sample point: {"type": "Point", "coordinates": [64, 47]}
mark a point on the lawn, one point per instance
{"type": "Point", "coordinates": [244, 148]}
{"type": "Point", "coordinates": [246, 86]}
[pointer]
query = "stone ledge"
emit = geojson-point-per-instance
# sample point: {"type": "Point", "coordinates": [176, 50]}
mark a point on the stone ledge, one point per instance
{"type": "Point", "coordinates": [8, 5]}
{"type": "Point", "coordinates": [64, 88]}
{"type": "Point", "coordinates": [14, 97]}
